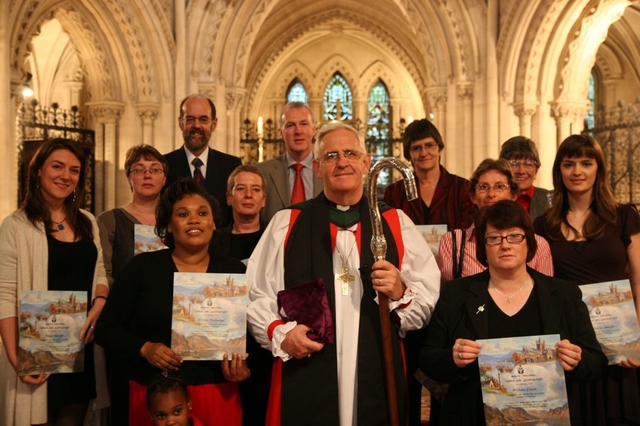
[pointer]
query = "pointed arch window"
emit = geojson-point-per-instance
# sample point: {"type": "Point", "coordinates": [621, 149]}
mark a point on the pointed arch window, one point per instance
{"type": "Point", "coordinates": [296, 92]}
{"type": "Point", "coordinates": [338, 99]}
{"type": "Point", "coordinates": [378, 131]}
{"type": "Point", "coordinates": [378, 111]}
{"type": "Point", "coordinates": [590, 119]}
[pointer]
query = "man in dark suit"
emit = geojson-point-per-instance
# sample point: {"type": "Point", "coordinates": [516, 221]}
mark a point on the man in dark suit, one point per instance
{"type": "Point", "coordinates": [297, 129]}
{"type": "Point", "coordinates": [195, 159]}
{"type": "Point", "coordinates": [522, 155]}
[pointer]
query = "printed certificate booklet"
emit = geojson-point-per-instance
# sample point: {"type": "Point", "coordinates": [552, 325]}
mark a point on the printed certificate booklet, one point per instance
{"type": "Point", "coordinates": [522, 381]}
{"type": "Point", "coordinates": [50, 322]}
{"type": "Point", "coordinates": [432, 234]}
{"type": "Point", "coordinates": [209, 315]}
{"type": "Point", "coordinates": [613, 316]}
{"type": "Point", "coordinates": [145, 239]}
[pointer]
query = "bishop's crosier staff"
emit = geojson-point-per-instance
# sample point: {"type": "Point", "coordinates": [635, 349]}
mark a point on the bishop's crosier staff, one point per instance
{"type": "Point", "coordinates": [379, 249]}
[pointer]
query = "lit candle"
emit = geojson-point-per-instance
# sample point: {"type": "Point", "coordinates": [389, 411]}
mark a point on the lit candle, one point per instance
{"type": "Point", "coordinates": [260, 126]}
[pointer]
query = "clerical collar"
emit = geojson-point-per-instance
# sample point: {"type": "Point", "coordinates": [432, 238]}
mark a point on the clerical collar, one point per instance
{"type": "Point", "coordinates": [344, 216]}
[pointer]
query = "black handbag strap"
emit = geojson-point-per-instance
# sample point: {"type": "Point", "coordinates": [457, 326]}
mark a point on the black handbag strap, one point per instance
{"type": "Point", "coordinates": [458, 258]}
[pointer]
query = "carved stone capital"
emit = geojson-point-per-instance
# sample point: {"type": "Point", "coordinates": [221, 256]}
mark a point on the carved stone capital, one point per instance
{"type": "Point", "coordinates": [234, 98]}
{"type": "Point", "coordinates": [148, 111]}
{"type": "Point", "coordinates": [525, 110]}
{"type": "Point", "coordinates": [465, 90]}
{"type": "Point", "coordinates": [569, 110]}
{"type": "Point", "coordinates": [106, 111]}
{"type": "Point", "coordinates": [437, 97]}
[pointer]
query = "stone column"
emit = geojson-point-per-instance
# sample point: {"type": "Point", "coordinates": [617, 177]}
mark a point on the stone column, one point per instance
{"type": "Point", "coordinates": [233, 102]}
{"type": "Point", "coordinates": [437, 104]}
{"type": "Point", "coordinates": [569, 118]}
{"type": "Point", "coordinates": [361, 113]}
{"type": "Point", "coordinates": [107, 115]}
{"type": "Point", "coordinates": [8, 140]}
{"type": "Point", "coordinates": [148, 113]}
{"type": "Point", "coordinates": [437, 98]}
{"type": "Point", "coordinates": [315, 103]}
{"type": "Point", "coordinates": [75, 93]}
{"type": "Point", "coordinates": [525, 112]}
{"type": "Point", "coordinates": [471, 157]}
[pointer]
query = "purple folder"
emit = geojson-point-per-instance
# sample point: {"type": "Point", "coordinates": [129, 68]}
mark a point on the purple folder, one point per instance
{"type": "Point", "coordinates": [307, 304]}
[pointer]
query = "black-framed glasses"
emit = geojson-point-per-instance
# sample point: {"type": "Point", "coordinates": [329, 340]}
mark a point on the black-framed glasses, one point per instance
{"type": "Point", "coordinates": [494, 240]}
{"type": "Point", "coordinates": [485, 187]}
{"type": "Point", "coordinates": [333, 156]}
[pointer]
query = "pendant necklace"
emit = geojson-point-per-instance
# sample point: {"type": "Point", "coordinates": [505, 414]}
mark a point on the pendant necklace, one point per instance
{"type": "Point", "coordinates": [509, 298]}
{"type": "Point", "coordinates": [344, 277]}
{"type": "Point", "coordinates": [59, 225]}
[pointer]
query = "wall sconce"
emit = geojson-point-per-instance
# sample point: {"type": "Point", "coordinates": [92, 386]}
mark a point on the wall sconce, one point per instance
{"type": "Point", "coordinates": [27, 91]}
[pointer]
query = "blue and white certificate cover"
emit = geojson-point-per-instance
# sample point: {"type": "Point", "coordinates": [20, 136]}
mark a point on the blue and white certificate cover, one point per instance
{"type": "Point", "coordinates": [145, 239]}
{"type": "Point", "coordinates": [209, 315]}
{"type": "Point", "coordinates": [613, 316]}
{"type": "Point", "coordinates": [432, 234]}
{"type": "Point", "coordinates": [50, 323]}
{"type": "Point", "coordinates": [522, 381]}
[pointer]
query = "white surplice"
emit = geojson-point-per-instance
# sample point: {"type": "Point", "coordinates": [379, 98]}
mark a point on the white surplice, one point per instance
{"type": "Point", "coordinates": [265, 275]}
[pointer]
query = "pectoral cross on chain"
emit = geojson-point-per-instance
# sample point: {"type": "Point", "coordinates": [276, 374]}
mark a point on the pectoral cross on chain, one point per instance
{"type": "Point", "coordinates": [345, 278]}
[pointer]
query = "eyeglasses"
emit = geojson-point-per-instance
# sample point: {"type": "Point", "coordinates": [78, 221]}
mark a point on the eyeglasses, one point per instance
{"type": "Point", "coordinates": [202, 120]}
{"type": "Point", "coordinates": [417, 148]}
{"type": "Point", "coordinates": [494, 240]}
{"type": "Point", "coordinates": [527, 164]}
{"type": "Point", "coordinates": [485, 187]}
{"type": "Point", "coordinates": [334, 156]}
{"type": "Point", "coordinates": [143, 171]}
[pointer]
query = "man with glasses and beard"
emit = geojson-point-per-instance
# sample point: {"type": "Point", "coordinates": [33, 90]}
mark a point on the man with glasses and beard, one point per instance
{"type": "Point", "coordinates": [195, 159]}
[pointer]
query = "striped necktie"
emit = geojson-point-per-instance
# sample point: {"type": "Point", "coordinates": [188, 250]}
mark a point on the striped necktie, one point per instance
{"type": "Point", "coordinates": [197, 173]}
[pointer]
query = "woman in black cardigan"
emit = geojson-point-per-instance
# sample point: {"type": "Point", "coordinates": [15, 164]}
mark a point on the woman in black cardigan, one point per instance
{"type": "Point", "coordinates": [507, 300]}
{"type": "Point", "coordinates": [135, 324]}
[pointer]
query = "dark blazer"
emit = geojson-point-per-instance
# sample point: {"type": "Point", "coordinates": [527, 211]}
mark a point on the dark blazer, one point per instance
{"type": "Point", "coordinates": [219, 167]}
{"type": "Point", "coordinates": [539, 202]}
{"type": "Point", "coordinates": [278, 193]}
{"type": "Point", "coordinates": [456, 316]}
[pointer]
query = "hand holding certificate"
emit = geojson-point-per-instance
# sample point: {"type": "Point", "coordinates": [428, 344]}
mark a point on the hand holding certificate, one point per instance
{"type": "Point", "coordinates": [209, 315]}
{"type": "Point", "coordinates": [50, 324]}
{"type": "Point", "coordinates": [522, 381]}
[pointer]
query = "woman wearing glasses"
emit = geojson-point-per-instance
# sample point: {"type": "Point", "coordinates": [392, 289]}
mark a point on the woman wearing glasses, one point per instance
{"type": "Point", "coordinates": [595, 239]}
{"type": "Point", "coordinates": [146, 171]}
{"type": "Point", "coordinates": [491, 182]}
{"type": "Point", "coordinates": [522, 155]}
{"type": "Point", "coordinates": [443, 198]}
{"type": "Point", "coordinates": [509, 299]}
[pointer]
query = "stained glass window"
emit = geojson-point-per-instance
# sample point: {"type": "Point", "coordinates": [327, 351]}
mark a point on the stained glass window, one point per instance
{"type": "Point", "coordinates": [338, 100]}
{"type": "Point", "coordinates": [378, 126]}
{"type": "Point", "coordinates": [378, 111]}
{"type": "Point", "coordinates": [590, 119]}
{"type": "Point", "coordinates": [297, 92]}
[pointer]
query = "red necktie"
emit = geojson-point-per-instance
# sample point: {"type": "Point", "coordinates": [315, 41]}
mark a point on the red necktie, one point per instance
{"type": "Point", "coordinates": [197, 173]}
{"type": "Point", "coordinates": [297, 195]}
